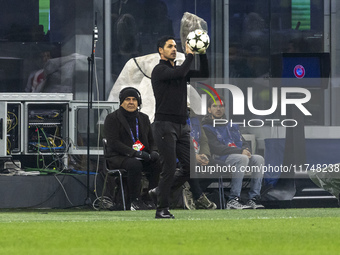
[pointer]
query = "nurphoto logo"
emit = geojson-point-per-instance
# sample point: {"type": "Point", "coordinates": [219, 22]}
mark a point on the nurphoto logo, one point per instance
{"type": "Point", "coordinates": [279, 99]}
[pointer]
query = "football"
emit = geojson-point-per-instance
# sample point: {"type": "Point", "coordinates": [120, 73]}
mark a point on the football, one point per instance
{"type": "Point", "coordinates": [198, 40]}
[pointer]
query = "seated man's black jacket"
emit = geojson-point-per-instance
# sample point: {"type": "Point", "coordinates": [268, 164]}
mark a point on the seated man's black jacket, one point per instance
{"type": "Point", "coordinates": [119, 140]}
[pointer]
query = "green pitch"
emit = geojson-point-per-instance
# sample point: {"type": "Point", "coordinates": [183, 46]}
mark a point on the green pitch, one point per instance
{"type": "Point", "coordinates": [283, 231]}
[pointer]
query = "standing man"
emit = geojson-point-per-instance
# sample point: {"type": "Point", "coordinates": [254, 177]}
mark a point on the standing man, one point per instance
{"type": "Point", "coordinates": [172, 134]}
{"type": "Point", "coordinates": [131, 146]}
{"type": "Point", "coordinates": [227, 142]}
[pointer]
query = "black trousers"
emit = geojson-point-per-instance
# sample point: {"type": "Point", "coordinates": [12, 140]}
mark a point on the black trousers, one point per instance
{"type": "Point", "coordinates": [135, 168]}
{"type": "Point", "coordinates": [173, 141]}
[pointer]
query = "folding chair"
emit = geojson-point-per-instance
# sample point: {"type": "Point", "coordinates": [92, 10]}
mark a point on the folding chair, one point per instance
{"type": "Point", "coordinates": [221, 192]}
{"type": "Point", "coordinates": [113, 172]}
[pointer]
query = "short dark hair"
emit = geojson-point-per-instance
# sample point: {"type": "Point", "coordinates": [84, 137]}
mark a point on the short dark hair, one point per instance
{"type": "Point", "coordinates": [162, 41]}
{"type": "Point", "coordinates": [212, 100]}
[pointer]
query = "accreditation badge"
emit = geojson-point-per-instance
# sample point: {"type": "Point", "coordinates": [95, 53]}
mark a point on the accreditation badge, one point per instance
{"type": "Point", "coordinates": [138, 146]}
{"type": "Point", "coordinates": [232, 145]}
{"type": "Point", "coordinates": [196, 145]}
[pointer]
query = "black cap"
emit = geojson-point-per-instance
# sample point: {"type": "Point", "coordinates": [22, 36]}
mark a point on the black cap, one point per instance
{"type": "Point", "coordinates": [129, 92]}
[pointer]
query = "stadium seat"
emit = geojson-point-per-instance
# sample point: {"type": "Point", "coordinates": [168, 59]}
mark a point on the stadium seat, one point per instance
{"type": "Point", "coordinates": [112, 172]}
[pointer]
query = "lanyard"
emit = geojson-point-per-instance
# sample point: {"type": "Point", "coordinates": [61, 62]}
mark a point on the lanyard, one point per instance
{"type": "Point", "coordinates": [137, 132]}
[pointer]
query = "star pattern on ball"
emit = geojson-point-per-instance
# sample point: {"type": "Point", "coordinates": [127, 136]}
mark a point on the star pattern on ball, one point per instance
{"type": "Point", "coordinates": [198, 40]}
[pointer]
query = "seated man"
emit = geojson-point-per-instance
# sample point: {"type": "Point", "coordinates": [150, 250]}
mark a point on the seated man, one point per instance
{"type": "Point", "coordinates": [193, 197]}
{"type": "Point", "coordinates": [131, 145]}
{"type": "Point", "coordinates": [227, 142]}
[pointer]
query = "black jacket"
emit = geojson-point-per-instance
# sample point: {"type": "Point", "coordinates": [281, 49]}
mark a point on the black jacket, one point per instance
{"type": "Point", "coordinates": [169, 85]}
{"type": "Point", "coordinates": [119, 140]}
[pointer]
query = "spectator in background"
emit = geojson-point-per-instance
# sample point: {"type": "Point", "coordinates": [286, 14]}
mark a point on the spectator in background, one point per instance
{"type": "Point", "coordinates": [298, 45]}
{"type": "Point", "coordinates": [203, 158]}
{"type": "Point", "coordinates": [228, 144]}
{"type": "Point", "coordinates": [36, 80]}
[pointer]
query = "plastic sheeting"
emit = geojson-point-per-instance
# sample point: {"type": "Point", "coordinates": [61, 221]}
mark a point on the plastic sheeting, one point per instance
{"type": "Point", "coordinates": [327, 178]}
{"type": "Point", "coordinates": [191, 22]}
{"type": "Point", "coordinates": [137, 73]}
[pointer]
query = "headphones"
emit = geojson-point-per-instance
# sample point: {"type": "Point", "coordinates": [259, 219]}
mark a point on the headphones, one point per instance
{"type": "Point", "coordinates": [139, 96]}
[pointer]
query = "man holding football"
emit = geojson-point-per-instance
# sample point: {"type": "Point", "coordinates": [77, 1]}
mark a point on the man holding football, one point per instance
{"type": "Point", "coordinates": [171, 132]}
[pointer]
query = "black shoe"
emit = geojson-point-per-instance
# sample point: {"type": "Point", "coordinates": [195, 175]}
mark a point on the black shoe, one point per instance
{"type": "Point", "coordinates": [116, 207]}
{"type": "Point", "coordinates": [253, 203]}
{"type": "Point", "coordinates": [138, 204]}
{"type": "Point", "coordinates": [150, 205]}
{"type": "Point", "coordinates": [153, 195]}
{"type": "Point", "coordinates": [164, 214]}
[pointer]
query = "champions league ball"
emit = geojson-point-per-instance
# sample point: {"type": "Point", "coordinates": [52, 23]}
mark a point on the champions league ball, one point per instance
{"type": "Point", "coordinates": [198, 40]}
